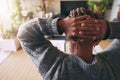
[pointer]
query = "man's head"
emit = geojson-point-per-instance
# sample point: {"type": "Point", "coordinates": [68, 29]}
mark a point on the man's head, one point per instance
{"type": "Point", "coordinates": [89, 22]}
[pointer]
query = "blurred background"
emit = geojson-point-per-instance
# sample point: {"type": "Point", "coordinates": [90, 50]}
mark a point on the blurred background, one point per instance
{"type": "Point", "coordinates": [14, 63]}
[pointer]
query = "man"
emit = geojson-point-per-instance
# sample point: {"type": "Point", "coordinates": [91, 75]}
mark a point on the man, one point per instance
{"type": "Point", "coordinates": [81, 64]}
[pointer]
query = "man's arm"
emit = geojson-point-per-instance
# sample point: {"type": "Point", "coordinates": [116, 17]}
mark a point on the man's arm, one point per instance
{"type": "Point", "coordinates": [42, 52]}
{"type": "Point", "coordinates": [114, 30]}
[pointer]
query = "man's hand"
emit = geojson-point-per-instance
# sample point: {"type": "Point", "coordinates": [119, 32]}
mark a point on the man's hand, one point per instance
{"type": "Point", "coordinates": [96, 29]}
{"type": "Point", "coordinates": [79, 28]}
{"type": "Point", "coordinates": [83, 28]}
{"type": "Point", "coordinates": [81, 12]}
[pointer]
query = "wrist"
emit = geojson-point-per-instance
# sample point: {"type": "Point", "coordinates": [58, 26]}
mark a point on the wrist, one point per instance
{"type": "Point", "coordinates": [55, 27]}
{"type": "Point", "coordinates": [60, 26]}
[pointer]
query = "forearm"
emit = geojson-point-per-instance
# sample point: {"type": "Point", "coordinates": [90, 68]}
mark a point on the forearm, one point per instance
{"type": "Point", "coordinates": [31, 36]}
{"type": "Point", "coordinates": [36, 29]}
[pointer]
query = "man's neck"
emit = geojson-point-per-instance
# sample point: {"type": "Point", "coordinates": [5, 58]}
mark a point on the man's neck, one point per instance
{"type": "Point", "coordinates": [83, 51]}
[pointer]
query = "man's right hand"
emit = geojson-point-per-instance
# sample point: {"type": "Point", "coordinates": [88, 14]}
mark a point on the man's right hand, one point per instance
{"type": "Point", "coordinates": [75, 29]}
{"type": "Point", "coordinates": [103, 28]}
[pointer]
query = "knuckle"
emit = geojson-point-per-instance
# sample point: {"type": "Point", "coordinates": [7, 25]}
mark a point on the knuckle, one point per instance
{"type": "Point", "coordinates": [73, 20]}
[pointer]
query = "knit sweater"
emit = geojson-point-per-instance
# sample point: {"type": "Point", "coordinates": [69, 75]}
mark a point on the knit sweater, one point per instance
{"type": "Point", "coordinates": [54, 64]}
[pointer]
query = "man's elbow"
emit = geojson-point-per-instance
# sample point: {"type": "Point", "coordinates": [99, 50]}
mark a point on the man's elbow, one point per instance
{"type": "Point", "coordinates": [22, 32]}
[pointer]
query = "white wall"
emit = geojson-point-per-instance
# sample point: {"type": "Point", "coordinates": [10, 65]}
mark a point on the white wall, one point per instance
{"type": "Point", "coordinates": [53, 6]}
{"type": "Point", "coordinates": [115, 9]}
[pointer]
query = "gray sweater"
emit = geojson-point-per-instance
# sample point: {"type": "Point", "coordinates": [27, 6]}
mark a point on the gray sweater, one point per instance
{"type": "Point", "coordinates": [54, 64]}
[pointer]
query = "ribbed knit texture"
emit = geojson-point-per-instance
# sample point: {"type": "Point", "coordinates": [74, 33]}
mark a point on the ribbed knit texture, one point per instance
{"type": "Point", "coordinates": [56, 65]}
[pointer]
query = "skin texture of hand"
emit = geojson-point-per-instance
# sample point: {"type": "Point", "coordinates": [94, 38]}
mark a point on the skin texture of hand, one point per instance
{"type": "Point", "coordinates": [98, 27]}
{"type": "Point", "coordinates": [83, 32]}
{"type": "Point", "coordinates": [74, 28]}
{"type": "Point", "coordinates": [84, 50]}
{"type": "Point", "coordinates": [102, 24]}
{"type": "Point", "coordinates": [82, 11]}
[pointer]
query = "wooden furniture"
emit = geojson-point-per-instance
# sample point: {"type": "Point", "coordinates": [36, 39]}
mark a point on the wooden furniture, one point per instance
{"type": "Point", "coordinates": [103, 44]}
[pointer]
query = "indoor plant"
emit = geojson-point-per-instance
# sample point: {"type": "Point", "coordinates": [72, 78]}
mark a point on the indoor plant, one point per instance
{"type": "Point", "coordinates": [100, 6]}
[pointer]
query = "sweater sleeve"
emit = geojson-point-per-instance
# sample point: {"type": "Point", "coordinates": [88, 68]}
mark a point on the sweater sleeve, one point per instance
{"type": "Point", "coordinates": [114, 33]}
{"type": "Point", "coordinates": [43, 53]}
{"type": "Point", "coordinates": [111, 55]}
{"type": "Point", "coordinates": [114, 30]}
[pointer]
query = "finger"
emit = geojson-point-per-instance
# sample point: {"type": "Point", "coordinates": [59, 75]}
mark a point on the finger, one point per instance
{"type": "Point", "coordinates": [78, 12]}
{"type": "Point", "coordinates": [75, 13]}
{"type": "Point", "coordinates": [86, 33]}
{"type": "Point", "coordinates": [71, 14]}
{"type": "Point", "coordinates": [83, 11]}
{"type": "Point", "coordinates": [76, 21]}
{"type": "Point", "coordinates": [82, 18]}
{"type": "Point", "coordinates": [69, 34]}
{"type": "Point", "coordinates": [75, 37]}
{"type": "Point", "coordinates": [93, 21]}
{"type": "Point", "coordinates": [97, 37]}
{"type": "Point", "coordinates": [92, 26]}
{"type": "Point", "coordinates": [88, 28]}
{"type": "Point", "coordinates": [82, 34]}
